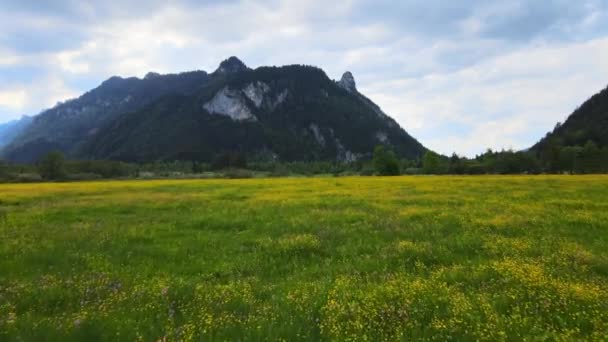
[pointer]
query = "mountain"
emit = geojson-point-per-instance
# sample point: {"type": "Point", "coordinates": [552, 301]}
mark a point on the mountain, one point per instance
{"type": "Point", "coordinates": [11, 129]}
{"type": "Point", "coordinates": [67, 126]}
{"type": "Point", "coordinates": [587, 123]}
{"type": "Point", "coordinates": [285, 113]}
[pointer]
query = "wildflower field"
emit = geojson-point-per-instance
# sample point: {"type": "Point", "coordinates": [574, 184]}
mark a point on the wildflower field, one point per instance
{"type": "Point", "coordinates": [363, 258]}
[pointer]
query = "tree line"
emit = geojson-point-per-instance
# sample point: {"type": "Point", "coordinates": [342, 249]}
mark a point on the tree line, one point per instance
{"type": "Point", "coordinates": [551, 158]}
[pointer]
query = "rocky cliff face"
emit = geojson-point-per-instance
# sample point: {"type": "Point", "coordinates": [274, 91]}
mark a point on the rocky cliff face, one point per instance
{"type": "Point", "coordinates": [348, 82]}
{"type": "Point", "coordinates": [233, 102]}
{"type": "Point", "coordinates": [229, 102]}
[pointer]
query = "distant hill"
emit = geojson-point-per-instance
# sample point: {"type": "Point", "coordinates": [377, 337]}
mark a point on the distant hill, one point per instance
{"type": "Point", "coordinates": [580, 144]}
{"type": "Point", "coordinates": [587, 123]}
{"type": "Point", "coordinates": [69, 125]}
{"type": "Point", "coordinates": [271, 113]}
{"type": "Point", "coordinates": [11, 129]}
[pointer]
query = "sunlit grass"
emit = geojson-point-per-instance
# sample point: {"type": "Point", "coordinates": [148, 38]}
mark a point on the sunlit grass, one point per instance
{"type": "Point", "coordinates": [461, 258]}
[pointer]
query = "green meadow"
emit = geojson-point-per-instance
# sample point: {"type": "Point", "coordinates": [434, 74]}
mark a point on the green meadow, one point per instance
{"type": "Point", "coordinates": [489, 258]}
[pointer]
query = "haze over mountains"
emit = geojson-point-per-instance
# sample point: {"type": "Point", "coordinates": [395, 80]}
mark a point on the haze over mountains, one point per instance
{"type": "Point", "coordinates": [271, 113]}
{"type": "Point", "coordinates": [10, 130]}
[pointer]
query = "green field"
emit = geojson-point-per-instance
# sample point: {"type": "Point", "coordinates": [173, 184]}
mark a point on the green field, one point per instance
{"type": "Point", "coordinates": [463, 258]}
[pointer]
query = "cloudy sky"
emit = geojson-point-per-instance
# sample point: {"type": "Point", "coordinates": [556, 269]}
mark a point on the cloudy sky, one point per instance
{"type": "Point", "coordinates": [460, 75]}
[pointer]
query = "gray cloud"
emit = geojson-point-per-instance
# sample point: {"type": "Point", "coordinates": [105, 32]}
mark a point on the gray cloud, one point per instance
{"type": "Point", "coordinates": [472, 65]}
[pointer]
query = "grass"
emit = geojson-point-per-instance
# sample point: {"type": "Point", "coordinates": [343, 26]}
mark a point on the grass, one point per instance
{"type": "Point", "coordinates": [437, 258]}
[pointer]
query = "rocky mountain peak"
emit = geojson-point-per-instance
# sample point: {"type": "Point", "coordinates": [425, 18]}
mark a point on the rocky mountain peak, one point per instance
{"type": "Point", "coordinates": [112, 80]}
{"type": "Point", "coordinates": [231, 65]}
{"type": "Point", "coordinates": [151, 75]}
{"type": "Point", "coordinates": [348, 82]}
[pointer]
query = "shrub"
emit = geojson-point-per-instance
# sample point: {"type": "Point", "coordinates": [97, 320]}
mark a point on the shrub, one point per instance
{"type": "Point", "coordinates": [84, 176]}
{"type": "Point", "coordinates": [238, 173]}
{"type": "Point", "coordinates": [367, 170]}
{"type": "Point", "coordinates": [28, 177]}
{"type": "Point", "coordinates": [412, 171]}
{"type": "Point", "coordinates": [229, 160]}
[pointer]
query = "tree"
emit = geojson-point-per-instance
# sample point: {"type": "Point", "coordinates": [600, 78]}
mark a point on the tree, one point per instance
{"type": "Point", "coordinates": [52, 166]}
{"type": "Point", "coordinates": [510, 162]}
{"type": "Point", "coordinates": [229, 160]}
{"type": "Point", "coordinates": [487, 162]}
{"type": "Point", "coordinates": [604, 159]}
{"type": "Point", "coordinates": [456, 165]}
{"type": "Point", "coordinates": [527, 162]}
{"type": "Point", "coordinates": [569, 158]}
{"type": "Point", "coordinates": [3, 169]}
{"type": "Point", "coordinates": [196, 167]}
{"type": "Point", "coordinates": [385, 162]}
{"type": "Point", "coordinates": [549, 154]}
{"type": "Point", "coordinates": [591, 158]}
{"type": "Point", "coordinates": [432, 163]}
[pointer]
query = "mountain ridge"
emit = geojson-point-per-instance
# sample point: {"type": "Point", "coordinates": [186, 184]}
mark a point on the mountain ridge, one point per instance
{"type": "Point", "coordinates": [589, 122]}
{"type": "Point", "coordinates": [290, 112]}
{"type": "Point", "coordinates": [10, 129]}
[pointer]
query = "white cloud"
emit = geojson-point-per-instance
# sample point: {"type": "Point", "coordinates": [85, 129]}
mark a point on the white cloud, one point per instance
{"type": "Point", "coordinates": [496, 90]}
{"type": "Point", "coordinates": [53, 91]}
{"type": "Point", "coordinates": [507, 101]}
{"type": "Point", "coordinates": [7, 59]}
{"type": "Point", "coordinates": [46, 92]}
{"type": "Point", "coordinates": [13, 99]}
